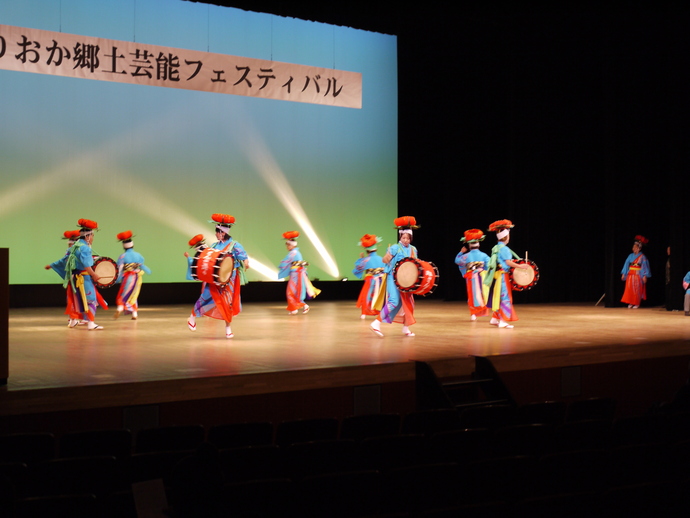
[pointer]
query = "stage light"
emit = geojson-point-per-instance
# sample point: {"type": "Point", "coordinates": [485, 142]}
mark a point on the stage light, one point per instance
{"type": "Point", "coordinates": [270, 171]}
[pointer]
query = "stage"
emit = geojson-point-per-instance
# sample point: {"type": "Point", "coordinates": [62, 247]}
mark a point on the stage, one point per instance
{"type": "Point", "coordinates": [157, 360]}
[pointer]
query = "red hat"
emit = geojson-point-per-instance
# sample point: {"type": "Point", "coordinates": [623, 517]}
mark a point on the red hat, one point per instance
{"type": "Point", "coordinates": [291, 234]}
{"type": "Point", "coordinates": [405, 222]}
{"type": "Point", "coordinates": [196, 240]}
{"type": "Point", "coordinates": [87, 224]}
{"type": "Point", "coordinates": [473, 235]}
{"type": "Point", "coordinates": [500, 225]}
{"type": "Point", "coordinates": [124, 236]}
{"type": "Point", "coordinates": [223, 219]}
{"type": "Point", "coordinates": [71, 234]}
{"type": "Point", "coordinates": [641, 240]}
{"type": "Point", "coordinates": [369, 241]}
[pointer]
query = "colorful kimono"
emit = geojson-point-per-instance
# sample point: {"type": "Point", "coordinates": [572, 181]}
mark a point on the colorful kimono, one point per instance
{"type": "Point", "coordinates": [399, 306]}
{"type": "Point", "coordinates": [222, 302]}
{"type": "Point", "coordinates": [372, 268]}
{"type": "Point", "coordinates": [500, 296]}
{"type": "Point", "coordinates": [473, 266]}
{"type": "Point", "coordinates": [299, 287]}
{"type": "Point", "coordinates": [59, 268]}
{"type": "Point", "coordinates": [131, 269]}
{"type": "Point", "coordinates": [635, 268]}
{"type": "Point", "coordinates": [84, 297]}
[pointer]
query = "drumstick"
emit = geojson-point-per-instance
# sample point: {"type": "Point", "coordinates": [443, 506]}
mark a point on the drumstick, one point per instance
{"type": "Point", "coordinates": [526, 256]}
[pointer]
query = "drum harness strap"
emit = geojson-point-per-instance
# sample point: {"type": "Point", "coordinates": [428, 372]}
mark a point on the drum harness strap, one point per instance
{"type": "Point", "coordinates": [494, 272]}
{"type": "Point", "coordinates": [71, 265]}
{"type": "Point", "coordinates": [400, 249]}
{"type": "Point", "coordinates": [240, 269]}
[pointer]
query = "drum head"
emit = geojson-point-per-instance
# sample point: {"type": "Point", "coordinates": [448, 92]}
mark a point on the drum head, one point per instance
{"type": "Point", "coordinates": [407, 274]}
{"type": "Point", "coordinates": [225, 270]}
{"type": "Point", "coordinates": [106, 269]}
{"type": "Point", "coordinates": [523, 276]}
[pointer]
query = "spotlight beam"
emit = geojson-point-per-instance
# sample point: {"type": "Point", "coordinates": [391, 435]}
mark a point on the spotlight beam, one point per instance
{"type": "Point", "coordinates": [270, 171]}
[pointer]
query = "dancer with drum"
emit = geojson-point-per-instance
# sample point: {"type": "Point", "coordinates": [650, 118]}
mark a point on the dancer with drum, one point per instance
{"type": "Point", "coordinates": [371, 266]}
{"type": "Point", "coordinates": [59, 267]}
{"type": "Point", "coordinates": [473, 265]}
{"type": "Point", "coordinates": [500, 297]}
{"type": "Point", "coordinates": [299, 287]}
{"type": "Point", "coordinates": [221, 267]}
{"type": "Point", "coordinates": [398, 306]}
{"type": "Point", "coordinates": [130, 270]}
{"type": "Point", "coordinates": [635, 274]}
{"type": "Point", "coordinates": [80, 276]}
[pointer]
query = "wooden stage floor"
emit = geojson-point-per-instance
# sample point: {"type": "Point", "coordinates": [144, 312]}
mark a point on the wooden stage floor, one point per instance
{"type": "Point", "coordinates": [157, 358]}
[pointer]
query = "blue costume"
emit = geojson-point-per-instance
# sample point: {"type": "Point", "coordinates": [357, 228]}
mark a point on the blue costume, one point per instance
{"type": "Point", "coordinates": [59, 268]}
{"type": "Point", "coordinates": [222, 302]}
{"type": "Point", "coordinates": [299, 287]}
{"type": "Point", "coordinates": [473, 266]}
{"type": "Point", "coordinates": [500, 297]}
{"type": "Point", "coordinates": [85, 297]}
{"type": "Point", "coordinates": [399, 307]}
{"type": "Point", "coordinates": [131, 268]}
{"type": "Point", "coordinates": [635, 272]}
{"type": "Point", "coordinates": [371, 268]}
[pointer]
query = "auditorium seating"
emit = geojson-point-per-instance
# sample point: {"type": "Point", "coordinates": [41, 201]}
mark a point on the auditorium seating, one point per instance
{"type": "Point", "coordinates": [424, 464]}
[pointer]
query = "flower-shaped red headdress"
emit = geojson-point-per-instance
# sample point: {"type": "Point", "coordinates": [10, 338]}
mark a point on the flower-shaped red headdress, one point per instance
{"type": "Point", "coordinates": [405, 222]}
{"type": "Point", "coordinates": [223, 219]}
{"type": "Point", "coordinates": [641, 239]}
{"type": "Point", "coordinates": [71, 234]}
{"type": "Point", "coordinates": [87, 224]}
{"type": "Point", "coordinates": [473, 235]}
{"type": "Point", "coordinates": [196, 241]}
{"type": "Point", "coordinates": [500, 225]}
{"type": "Point", "coordinates": [124, 236]}
{"type": "Point", "coordinates": [369, 240]}
{"type": "Point", "coordinates": [291, 234]}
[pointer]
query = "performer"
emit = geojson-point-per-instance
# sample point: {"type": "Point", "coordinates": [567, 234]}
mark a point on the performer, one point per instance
{"type": "Point", "coordinates": [299, 287]}
{"type": "Point", "coordinates": [79, 276]}
{"type": "Point", "coordinates": [131, 269]}
{"type": "Point", "coordinates": [500, 297]}
{"type": "Point", "coordinates": [59, 267]}
{"type": "Point", "coordinates": [686, 287]}
{"type": "Point", "coordinates": [221, 302]}
{"type": "Point", "coordinates": [371, 266]}
{"type": "Point", "coordinates": [473, 266]}
{"type": "Point", "coordinates": [398, 306]}
{"type": "Point", "coordinates": [635, 273]}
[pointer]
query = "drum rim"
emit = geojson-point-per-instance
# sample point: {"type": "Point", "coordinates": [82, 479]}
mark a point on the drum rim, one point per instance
{"type": "Point", "coordinates": [523, 287]}
{"type": "Point", "coordinates": [402, 261]}
{"type": "Point", "coordinates": [104, 259]}
{"type": "Point", "coordinates": [419, 264]}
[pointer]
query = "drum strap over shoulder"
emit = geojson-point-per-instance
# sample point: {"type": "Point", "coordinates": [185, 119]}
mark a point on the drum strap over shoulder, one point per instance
{"type": "Point", "coordinates": [413, 251]}
{"type": "Point", "coordinates": [493, 263]}
{"type": "Point", "coordinates": [71, 265]}
{"type": "Point", "coordinates": [240, 268]}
